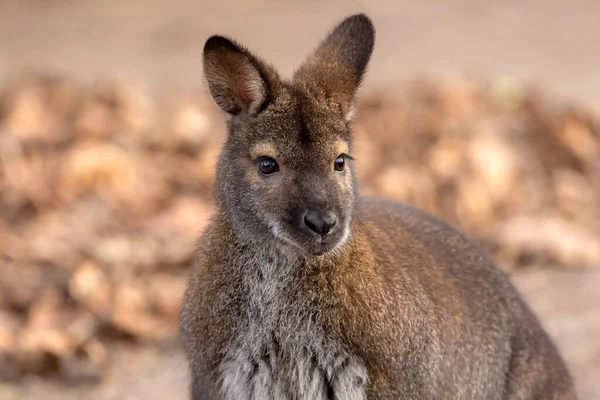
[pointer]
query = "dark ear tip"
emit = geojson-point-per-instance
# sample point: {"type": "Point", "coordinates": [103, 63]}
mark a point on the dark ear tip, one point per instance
{"type": "Point", "coordinates": [362, 19]}
{"type": "Point", "coordinates": [219, 43]}
{"type": "Point", "coordinates": [360, 22]}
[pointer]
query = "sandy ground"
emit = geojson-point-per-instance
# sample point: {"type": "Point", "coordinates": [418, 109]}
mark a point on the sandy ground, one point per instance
{"type": "Point", "coordinates": [158, 44]}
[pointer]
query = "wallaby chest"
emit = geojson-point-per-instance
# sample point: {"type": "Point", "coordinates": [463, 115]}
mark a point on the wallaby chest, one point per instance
{"type": "Point", "coordinates": [279, 347]}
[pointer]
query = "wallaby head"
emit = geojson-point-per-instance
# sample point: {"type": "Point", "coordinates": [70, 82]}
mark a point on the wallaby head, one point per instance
{"type": "Point", "coordinates": [284, 175]}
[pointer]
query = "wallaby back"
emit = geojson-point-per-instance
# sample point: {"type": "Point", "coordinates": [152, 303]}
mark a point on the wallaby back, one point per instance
{"type": "Point", "coordinates": [302, 289]}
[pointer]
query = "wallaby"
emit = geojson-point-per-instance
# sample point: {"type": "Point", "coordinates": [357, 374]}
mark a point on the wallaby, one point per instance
{"type": "Point", "coordinates": [301, 289]}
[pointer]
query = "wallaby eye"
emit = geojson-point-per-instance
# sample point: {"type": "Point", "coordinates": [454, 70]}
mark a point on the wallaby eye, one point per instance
{"type": "Point", "coordinates": [267, 166]}
{"type": "Point", "coordinates": [340, 163]}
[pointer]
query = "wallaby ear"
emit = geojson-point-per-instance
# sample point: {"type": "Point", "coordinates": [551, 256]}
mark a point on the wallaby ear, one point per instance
{"type": "Point", "coordinates": [338, 65]}
{"type": "Point", "coordinates": [239, 82]}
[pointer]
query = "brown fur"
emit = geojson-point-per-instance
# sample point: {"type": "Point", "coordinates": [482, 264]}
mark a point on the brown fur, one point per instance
{"type": "Point", "coordinates": [392, 304]}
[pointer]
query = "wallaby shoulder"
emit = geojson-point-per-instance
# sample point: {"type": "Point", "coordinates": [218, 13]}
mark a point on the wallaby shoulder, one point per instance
{"type": "Point", "coordinates": [211, 305]}
{"type": "Point", "coordinates": [407, 230]}
{"type": "Point", "coordinates": [481, 307]}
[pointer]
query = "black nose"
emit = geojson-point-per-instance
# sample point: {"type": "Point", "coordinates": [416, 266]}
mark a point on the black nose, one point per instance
{"type": "Point", "coordinates": [320, 223]}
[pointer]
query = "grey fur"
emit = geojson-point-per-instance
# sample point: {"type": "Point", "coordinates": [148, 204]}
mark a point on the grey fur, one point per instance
{"type": "Point", "coordinates": [302, 361]}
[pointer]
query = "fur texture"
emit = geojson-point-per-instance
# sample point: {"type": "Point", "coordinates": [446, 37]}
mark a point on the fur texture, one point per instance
{"type": "Point", "coordinates": [391, 304]}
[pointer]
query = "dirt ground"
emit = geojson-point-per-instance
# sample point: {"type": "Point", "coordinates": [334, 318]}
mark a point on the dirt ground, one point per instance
{"type": "Point", "coordinates": [158, 44]}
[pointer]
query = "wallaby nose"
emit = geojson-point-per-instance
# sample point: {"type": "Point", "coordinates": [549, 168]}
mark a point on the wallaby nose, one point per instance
{"type": "Point", "coordinates": [320, 223]}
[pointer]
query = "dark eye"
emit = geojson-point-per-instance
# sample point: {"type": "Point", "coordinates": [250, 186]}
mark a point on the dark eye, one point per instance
{"type": "Point", "coordinates": [340, 163]}
{"type": "Point", "coordinates": [267, 166]}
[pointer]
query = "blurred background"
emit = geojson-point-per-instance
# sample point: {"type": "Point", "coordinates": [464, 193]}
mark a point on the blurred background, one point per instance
{"type": "Point", "coordinates": [487, 114]}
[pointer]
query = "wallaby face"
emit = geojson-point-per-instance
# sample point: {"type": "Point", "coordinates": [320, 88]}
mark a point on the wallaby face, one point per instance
{"type": "Point", "coordinates": [284, 175]}
{"type": "Point", "coordinates": [303, 289]}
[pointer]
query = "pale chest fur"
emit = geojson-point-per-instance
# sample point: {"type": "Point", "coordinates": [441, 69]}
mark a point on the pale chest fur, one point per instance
{"type": "Point", "coordinates": [279, 350]}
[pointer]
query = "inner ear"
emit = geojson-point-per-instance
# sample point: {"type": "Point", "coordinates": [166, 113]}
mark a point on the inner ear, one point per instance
{"type": "Point", "coordinates": [238, 81]}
